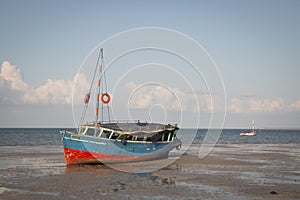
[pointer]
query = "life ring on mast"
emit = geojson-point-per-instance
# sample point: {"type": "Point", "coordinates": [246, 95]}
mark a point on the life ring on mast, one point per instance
{"type": "Point", "coordinates": [105, 98]}
{"type": "Point", "coordinates": [86, 98]}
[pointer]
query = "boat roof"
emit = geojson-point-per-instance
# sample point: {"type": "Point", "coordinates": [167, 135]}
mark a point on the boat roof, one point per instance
{"type": "Point", "coordinates": [136, 126]}
{"type": "Point", "coordinates": [131, 127]}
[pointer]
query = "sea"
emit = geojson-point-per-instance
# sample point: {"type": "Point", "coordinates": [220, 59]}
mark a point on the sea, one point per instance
{"type": "Point", "coordinates": [51, 136]}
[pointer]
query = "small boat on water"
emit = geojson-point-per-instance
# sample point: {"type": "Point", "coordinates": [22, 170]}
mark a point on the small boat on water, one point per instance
{"type": "Point", "coordinates": [116, 141]}
{"type": "Point", "coordinates": [252, 133]}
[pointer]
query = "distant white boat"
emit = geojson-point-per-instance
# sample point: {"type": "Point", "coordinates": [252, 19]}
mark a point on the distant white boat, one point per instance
{"type": "Point", "coordinates": [252, 133]}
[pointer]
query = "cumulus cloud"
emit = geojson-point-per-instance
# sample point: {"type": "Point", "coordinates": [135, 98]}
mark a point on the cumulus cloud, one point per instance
{"type": "Point", "coordinates": [244, 105]}
{"type": "Point", "coordinates": [171, 98]}
{"type": "Point", "coordinates": [52, 92]}
{"type": "Point", "coordinates": [11, 77]}
{"type": "Point", "coordinates": [15, 90]}
{"type": "Point", "coordinates": [295, 106]}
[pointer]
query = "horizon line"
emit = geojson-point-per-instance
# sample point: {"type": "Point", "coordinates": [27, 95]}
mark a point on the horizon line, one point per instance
{"type": "Point", "coordinates": [226, 128]}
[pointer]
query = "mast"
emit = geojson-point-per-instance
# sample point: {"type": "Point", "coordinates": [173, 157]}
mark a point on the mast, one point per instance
{"type": "Point", "coordinates": [98, 89]}
{"type": "Point", "coordinates": [253, 127]}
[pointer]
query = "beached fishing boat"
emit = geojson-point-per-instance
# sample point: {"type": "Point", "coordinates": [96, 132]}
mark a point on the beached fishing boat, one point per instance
{"type": "Point", "coordinates": [116, 141]}
{"type": "Point", "coordinates": [252, 133]}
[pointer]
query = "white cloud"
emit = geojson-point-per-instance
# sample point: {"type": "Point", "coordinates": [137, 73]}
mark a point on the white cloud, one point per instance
{"type": "Point", "coordinates": [15, 90]}
{"type": "Point", "coordinates": [255, 105]}
{"type": "Point", "coordinates": [11, 77]}
{"type": "Point", "coordinates": [52, 92]}
{"type": "Point", "coordinates": [171, 98]}
{"type": "Point", "coordinates": [295, 106]}
{"type": "Point", "coordinates": [144, 96]}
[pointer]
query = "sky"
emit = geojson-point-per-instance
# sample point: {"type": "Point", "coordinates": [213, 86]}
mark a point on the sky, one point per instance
{"type": "Point", "coordinates": [254, 46]}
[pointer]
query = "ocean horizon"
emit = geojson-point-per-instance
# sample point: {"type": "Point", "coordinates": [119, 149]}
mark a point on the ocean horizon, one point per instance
{"type": "Point", "coordinates": [51, 136]}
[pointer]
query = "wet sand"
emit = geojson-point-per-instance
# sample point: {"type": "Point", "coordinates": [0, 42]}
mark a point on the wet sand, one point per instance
{"type": "Point", "coordinates": [228, 172]}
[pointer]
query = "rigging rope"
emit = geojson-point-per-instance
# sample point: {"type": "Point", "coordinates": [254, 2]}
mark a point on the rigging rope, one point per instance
{"type": "Point", "coordinates": [91, 86]}
{"type": "Point", "coordinates": [108, 113]}
{"type": "Point", "coordinates": [102, 76]}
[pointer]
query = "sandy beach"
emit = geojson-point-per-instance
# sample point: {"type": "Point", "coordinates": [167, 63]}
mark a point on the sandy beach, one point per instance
{"type": "Point", "coordinates": [229, 172]}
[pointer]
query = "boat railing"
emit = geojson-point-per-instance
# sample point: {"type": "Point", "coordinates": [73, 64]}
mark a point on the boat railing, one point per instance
{"type": "Point", "coordinates": [132, 125]}
{"type": "Point", "coordinates": [115, 121]}
{"type": "Point", "coordinates": [125, 121]}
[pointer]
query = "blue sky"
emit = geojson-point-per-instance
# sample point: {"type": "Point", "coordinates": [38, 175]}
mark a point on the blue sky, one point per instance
{"type": "Point", "coordinates": [255, 45]}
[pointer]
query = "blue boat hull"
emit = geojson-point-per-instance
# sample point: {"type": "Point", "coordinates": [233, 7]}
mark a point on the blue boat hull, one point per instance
{"type": "Point", "coordinates": [88, 149]}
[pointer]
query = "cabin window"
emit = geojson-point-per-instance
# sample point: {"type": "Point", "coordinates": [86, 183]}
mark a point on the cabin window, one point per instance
{"type": "Point", "coordinates": [98, 134]}
{"type": "Point", "coordinates": [169, 137]}
{"type": "Point", "coordinates": [130, 137]}
{"type": "Point", "coordinates": [136, 138]}
{"type": "Point", "coordinates": [82, 130]}
{"type": "Point", "coordinates": [90, 132]}
{"type": "Point", "coordinates": [172, 136]}
{"type": "Point", "coordinates": [166, 136]}
{"type": "Point", "coordinates": [114, 135]}
{"type": "Point", "coordinates": [105, 134]}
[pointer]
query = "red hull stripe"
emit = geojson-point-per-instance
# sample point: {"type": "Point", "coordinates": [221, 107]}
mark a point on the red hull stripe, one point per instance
{"type": "Point", "coordinates": [73, 157]}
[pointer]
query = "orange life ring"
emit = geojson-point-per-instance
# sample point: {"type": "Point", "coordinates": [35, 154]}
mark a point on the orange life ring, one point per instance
{"type": "Point", "coordinates": [105, 98]}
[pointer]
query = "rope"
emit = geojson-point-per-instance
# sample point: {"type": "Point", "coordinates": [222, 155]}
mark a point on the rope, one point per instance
{"type": "Point", "coordinates": [102, 86]}
{"type": "Point", "coordinates": [108, 113]}
{"type": "Point", "coordinates": [91, 86]}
